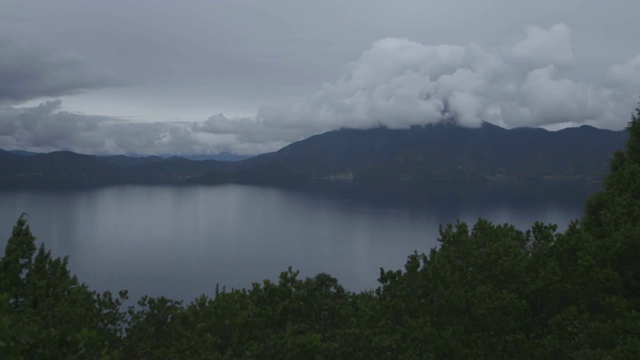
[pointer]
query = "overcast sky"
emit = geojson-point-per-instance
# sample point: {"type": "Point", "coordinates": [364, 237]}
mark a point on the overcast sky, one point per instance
{"type": "Point", "coordinates": [240, 76]}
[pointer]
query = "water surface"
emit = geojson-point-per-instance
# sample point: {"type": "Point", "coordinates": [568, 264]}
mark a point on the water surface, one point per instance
{"type": "Point", "coordinates": [181, 241]}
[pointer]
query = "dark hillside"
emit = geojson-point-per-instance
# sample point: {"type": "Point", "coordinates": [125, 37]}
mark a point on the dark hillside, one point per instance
{"type": "Point", "coordinates": [373, 156]}
{"type": "Point", "coordinates": [444, 151]}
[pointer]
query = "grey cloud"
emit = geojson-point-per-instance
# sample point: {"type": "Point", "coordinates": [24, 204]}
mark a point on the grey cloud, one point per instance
{"type": "Point", "coordinates": [29, 72]}
{"type": "Point", "coordinates": [46, 128]}
{"type": "Point", "coordinates": [546, 46]}
{"type": "Point", "coordinates": [627, 74]}
{"type": "Point", "coordinates": [252, 133]}
{"type": "Point", "coordinates": [395, 83]}
{"type": "Point", "coordinates": [267, 52]}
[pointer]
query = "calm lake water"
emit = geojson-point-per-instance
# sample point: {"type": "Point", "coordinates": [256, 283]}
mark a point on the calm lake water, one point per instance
{"type": "Point", "coordinates": [181, 241]}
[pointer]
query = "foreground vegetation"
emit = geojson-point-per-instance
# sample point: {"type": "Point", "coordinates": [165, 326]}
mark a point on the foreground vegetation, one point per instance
{"type": "Point", "coordinates": [489, 291]}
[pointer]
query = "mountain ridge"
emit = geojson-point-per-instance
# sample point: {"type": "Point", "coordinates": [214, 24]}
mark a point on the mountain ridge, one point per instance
{"type": "Point", "coordinates": [370, 156]}
{"type": "Point", "coordinates": [426, 151]}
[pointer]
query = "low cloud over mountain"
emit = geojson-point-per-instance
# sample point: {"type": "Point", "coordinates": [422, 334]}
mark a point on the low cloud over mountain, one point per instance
{"type": "Point", "coordinates": [396, 83]}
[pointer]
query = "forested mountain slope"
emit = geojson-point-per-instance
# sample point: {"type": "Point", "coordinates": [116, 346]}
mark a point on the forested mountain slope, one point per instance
{"type": "Point", "coordinates": [437, 152]}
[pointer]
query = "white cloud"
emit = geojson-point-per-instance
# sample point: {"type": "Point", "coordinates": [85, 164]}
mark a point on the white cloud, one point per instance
{"type": "Point", "coordinates": [465, 107]}
{"type": "Point", "coordinates": [562, 100]}
{"type": "Point", "coordinates": [398, 83]}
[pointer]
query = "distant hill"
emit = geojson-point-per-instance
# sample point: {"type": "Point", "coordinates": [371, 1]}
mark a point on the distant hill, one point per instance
{"type": "Point", "coordinates": [56, 169]}
{"type": "Point", "coordinates": [21, 152]}
{"type": "Point", "coordinates": [373, 156]}
{"type": "Point", "coordinates": [219, 157]}
{"type": "Point", "coordinates": [449, 152]}
{"type": "Point", "coordinates": [64, 169]}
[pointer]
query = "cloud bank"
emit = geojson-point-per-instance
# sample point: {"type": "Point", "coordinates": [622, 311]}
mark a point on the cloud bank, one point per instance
{"type": "Point", "coordinates": [46, 128]}
{"type": "Point", "coordinates": [396, 83]}
{"type": "Point", "coordinates": [29, 73]}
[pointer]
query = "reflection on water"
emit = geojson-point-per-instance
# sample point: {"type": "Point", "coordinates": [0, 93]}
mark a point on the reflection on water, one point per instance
{"type": "Point", "coordinates": [181, 241]}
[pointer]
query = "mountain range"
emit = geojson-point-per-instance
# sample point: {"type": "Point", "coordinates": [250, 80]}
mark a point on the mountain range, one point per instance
{"type": "Point", "coordinates": [372, 156]}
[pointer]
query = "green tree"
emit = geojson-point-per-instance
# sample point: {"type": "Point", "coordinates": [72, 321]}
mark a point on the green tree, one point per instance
{"type": "Point", "coordinates": [613, 215]}
{"type": "Point", "coordinates": [617, 206]}
{"type": "Point", "coordinates": [46, 312]}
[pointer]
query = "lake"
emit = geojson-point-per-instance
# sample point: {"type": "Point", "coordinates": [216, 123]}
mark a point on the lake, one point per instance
{"type": "Point", "coordinates": [182, 241]}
